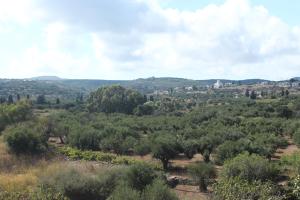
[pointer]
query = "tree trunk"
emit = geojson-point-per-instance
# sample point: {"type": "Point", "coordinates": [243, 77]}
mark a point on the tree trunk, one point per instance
{"type": "Point", "coordinates": [202, 185]}
{"type": "Point", "coordinates": [61, 140]}
{"type": "Point", "coordinates": [165, 164]}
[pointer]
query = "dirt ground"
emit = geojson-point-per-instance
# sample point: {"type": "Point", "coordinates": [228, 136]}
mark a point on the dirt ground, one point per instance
{"type": "Point", "coordinates": [289, 150]}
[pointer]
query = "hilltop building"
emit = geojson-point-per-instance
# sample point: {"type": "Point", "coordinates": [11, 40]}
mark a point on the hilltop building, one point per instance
{"type": "Point", "coordinates": [218, 85]}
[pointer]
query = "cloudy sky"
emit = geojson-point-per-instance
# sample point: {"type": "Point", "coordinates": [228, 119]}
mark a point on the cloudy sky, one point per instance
{"type": "Point", "coordinates": [129, 39]}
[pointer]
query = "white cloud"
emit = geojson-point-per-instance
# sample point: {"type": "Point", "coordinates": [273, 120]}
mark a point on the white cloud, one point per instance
{"type": "Point", "coordinates": [17, 11]}
{"type": "Point", "coordinates": [133, 38]}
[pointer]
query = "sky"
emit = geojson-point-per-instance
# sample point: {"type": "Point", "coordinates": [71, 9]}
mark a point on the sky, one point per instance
{"type": "Point", "coordinates": [130, 39]}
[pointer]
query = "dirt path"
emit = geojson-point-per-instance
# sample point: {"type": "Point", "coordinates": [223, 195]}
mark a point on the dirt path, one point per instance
{"type": "Point", "coordinates": [289, 150]}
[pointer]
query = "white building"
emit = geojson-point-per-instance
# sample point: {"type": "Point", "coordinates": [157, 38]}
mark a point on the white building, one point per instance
{"type": "Point", "coordinates": [189, 88]}
{"type": "Point", "coordinates": [218, 84]}
{"type": "Point", "coordinates": [284, 84]}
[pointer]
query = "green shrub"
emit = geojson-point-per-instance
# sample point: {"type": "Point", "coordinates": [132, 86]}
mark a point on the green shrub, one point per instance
{"type": "Point", "coordinates": [13, 113]}
{"type": "Point", "coordinates": [238, 189]}
{"type": "Point", "coordinates": [143, 147]}
{"type": "Point", "coordinates": [25, 138]}
{"type": "Point", "coordinates": [230, 149]}
{"type": "Point", "coordinates": [139, 176]}
{"type": "Point", "coordinates": [250, 168]}
{"type": "Point", "coordinates": [79, 186]}
{"type": "Point", "coordinates": [294, 185]}
{"type": "Point", "coordinates": [296, 137]}
{"type": "Point", "coordinates": [202, 173]}
{"type": "Point", "coordinates": [158, 191]}
{"type": "Point", "coordinates": [36, 194]}
{"type": "Point", "coordinates": [190, 148]}
{"type": "Point", "coordinates": [125, 192]}
{"type": "Point", "coordinates": [291, 163]}
{"type": "Point", "coordinates": [85, 138]}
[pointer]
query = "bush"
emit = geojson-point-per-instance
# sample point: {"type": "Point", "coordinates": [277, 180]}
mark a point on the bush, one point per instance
{"type": "Point", "coordinates": [294, 185]}
{"type": "Point", "coordinates": [145, 109]}
{"type": "Point", "coordinates": [230, 149]}
{"type": "Point", "coordinates": [291, 163]}
{"type": "Point", "coordinates": [158, 191]}
{"type": "Point", "coordinates": [202, 173]}
{"type": "Point", "coordinates": [85, 138]}
{"type": "Point", "coordinates": [190, 148]}
{"type": "Point", "coordinates": [79, 186]}
{"type": "Point", "coordinates": [121, 141]}
{"type": "Point", "coordinates": [13, 113]}
{"type": "Point", "coordinates": [139, 176]}
{"type": "Point", "coordinates": [284, 112]}
{"type": "Point", "coordinates": [237, 189]}
{"type": "Point", "coordinates": [125, 192]}
{"type": "Point", "coordinates": [143, 147]}
{"type": "Point", "coordinates": [26, 138]}
{"type": "Point", "coordinates": [250, 168]}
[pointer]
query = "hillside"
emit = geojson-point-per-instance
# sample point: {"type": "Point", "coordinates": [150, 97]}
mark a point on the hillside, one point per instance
{"type": "Point", "coordinates": [70, 88]}
{"type": "Point", "coordinates": [45, 78]}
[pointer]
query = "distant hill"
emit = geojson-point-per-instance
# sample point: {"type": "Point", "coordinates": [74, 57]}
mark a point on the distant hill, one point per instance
{"type": "Point", "coordinates": [45, 78]}
{"type": "Point", "coordinates": [70, 88]}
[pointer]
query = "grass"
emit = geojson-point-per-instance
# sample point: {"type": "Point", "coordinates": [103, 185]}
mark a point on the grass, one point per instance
{"type": "Point", "coordinates": [267, 101]}
{"type": "Point", "coordinates": [291, 164]}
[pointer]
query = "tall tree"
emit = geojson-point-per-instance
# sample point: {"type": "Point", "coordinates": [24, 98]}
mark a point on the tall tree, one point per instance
{"type": "Point", "coordinates": [253, 95]}
{"type": "Point", "coordinates": [287, 93]}
{"type": "Point", "coordinates": [247, 93]}
{"type": "Point", "coordinates": [164, 149]}
{"type": "Point", "coordinates": [2, 100]}
{"type": "Point", "coordinates": [18, 97]}
{"type": "Point", "coordinates": [10, 99]}
{"type": "Point", "coordinates": [41, 99]}
{"type": "Point", "coordinates": [114, 99]}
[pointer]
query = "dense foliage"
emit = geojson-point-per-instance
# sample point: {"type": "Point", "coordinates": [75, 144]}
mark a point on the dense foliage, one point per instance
{"type": "Point", "coordinates": [12, 113]}
{"type": "Point", "coordinates": [202, 173]}
{"type": "Point", "coordinates": [237, 189]}
{"type": "Point", "coordinates": [250, 168]}
{"type": "Point", "coordinates": [114, 99]}
{"type": "Point", "coordinates": [26, 138]}
{"type": "Point", "coordinates": [136, 182]}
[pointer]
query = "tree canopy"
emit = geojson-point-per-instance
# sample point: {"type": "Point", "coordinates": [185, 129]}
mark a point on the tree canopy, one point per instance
{"type": "Point", "coordinates": [113, 99]}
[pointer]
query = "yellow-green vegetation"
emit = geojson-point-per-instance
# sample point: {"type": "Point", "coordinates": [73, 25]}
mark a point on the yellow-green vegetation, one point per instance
{"type": "Point", "coordinates": [238, 188]}
{"type": "Point", "coordinates": [18, 175]}
{"type": "Point", "coordinates": [76, 154]}
{"type": "Point", "coordinates": [291, 164]}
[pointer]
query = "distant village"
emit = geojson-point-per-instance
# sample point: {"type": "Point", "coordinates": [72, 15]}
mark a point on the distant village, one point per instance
{"type": "Point", "coordinates": [259, 88]}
